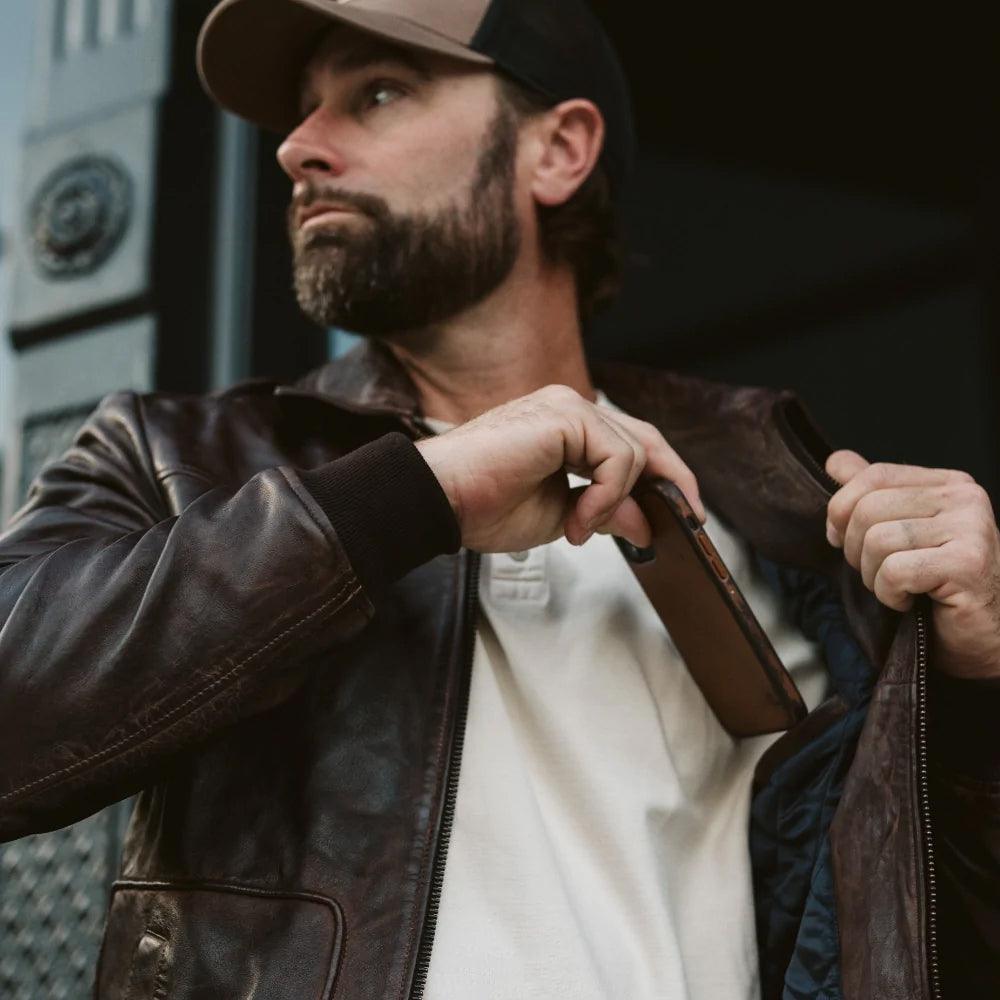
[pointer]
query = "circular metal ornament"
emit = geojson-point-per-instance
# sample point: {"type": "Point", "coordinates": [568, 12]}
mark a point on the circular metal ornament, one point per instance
{"type": "Point", "coordinates": [79, 215]}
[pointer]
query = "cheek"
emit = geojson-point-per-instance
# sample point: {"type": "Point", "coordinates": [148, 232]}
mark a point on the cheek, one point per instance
{"type": "Point", "coordinates": [433, 164]}
{"type": "Point", "coordinates": [414, 181]}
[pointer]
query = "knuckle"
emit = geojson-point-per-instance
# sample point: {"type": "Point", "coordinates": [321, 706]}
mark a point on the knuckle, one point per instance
{"type": "Point", "coordinates": [879, 473]}
{"type": "Point", "coordinates": [881, 589]}
{"type": "Point", "coordinates": [556, 393]}
{"type": "Point", "coordinates": [892, 572]}
{"type": "Point", "coordinates": [836, 509]}
{"type": "Point", "coordinates": [964, 494]}
{"type": "Point", "coordinates": [881, 538]}
{"type": "Point", "coordinates": [865, 507]}
{"type": "Point", "coordinates": [959, 476]}
{"type": "Point", "coordinates": [976, 496]}
{"type": "Point", "coordinates": [974, 560]}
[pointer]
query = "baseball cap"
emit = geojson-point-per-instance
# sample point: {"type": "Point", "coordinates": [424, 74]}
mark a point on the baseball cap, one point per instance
{"type": "Point", "coordinates": [251, 53]}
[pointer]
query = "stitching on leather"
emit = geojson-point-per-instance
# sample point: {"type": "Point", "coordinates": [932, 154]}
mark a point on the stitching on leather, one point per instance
{"type": "Point", "coordinates": [339, 920]}
{"type": "Point", "coordinates": [80, 764]}
{"type": "Point", "coordinates": [244, 887]}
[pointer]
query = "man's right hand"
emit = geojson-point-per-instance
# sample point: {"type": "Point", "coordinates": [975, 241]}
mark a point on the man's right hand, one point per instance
{"type": "Point", "coordinates": [505, 472]}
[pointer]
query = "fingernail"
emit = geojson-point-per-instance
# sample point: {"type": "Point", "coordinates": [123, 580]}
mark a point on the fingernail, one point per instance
{"type": "Point", "coordinates": [586, 538]}
{"type": "Point", "coordinates": [831, 535]}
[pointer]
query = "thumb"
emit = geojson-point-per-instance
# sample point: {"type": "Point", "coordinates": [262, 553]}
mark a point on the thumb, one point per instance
{"type": "Point", "coordinates": [845, 465]}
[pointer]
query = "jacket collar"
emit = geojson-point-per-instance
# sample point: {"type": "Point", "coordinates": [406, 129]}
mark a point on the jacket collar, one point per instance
{"type": "Point", "coordinates": [368, 380]}
{"type": "Point", "coordinates": [755, 466]}
{"type": "Point", "coordinates": [755, 452]}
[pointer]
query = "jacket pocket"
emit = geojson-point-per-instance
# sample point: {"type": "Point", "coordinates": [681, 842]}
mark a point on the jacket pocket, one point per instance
{"type": "Point", "coordinates": [172, 941]}
{"type": "Point", "coordinates": [147, 978]}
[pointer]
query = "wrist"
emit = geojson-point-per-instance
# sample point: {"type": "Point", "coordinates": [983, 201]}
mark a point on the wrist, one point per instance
{"type": "Point", "coordinates": [433, 454]}
{"type": "Point", "coordinates": [386, 507]}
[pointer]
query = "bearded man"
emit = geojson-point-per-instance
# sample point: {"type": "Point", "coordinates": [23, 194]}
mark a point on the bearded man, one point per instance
{"type": "Point", "coordinates": [400, 719]}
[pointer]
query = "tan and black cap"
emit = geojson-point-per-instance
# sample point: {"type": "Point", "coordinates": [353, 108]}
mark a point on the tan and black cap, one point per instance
{"type": "Point", "coordinates": [251, 53]}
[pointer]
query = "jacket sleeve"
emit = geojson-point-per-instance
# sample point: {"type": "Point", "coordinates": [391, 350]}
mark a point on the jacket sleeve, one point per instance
{"type": "Point", "coordinates": [129, 633]}
{"type": "Point", "coordinates": [965, 816]}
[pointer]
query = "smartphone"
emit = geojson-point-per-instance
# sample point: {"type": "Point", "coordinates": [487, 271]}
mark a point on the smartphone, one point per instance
{"type": "Point", "coordinates": [723, 645]}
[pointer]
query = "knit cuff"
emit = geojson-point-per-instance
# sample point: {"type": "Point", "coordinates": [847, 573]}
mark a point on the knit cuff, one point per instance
{"type": "Point", "coordinates": [387, 507]}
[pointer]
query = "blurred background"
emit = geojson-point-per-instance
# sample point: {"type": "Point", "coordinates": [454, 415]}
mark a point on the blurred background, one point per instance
{"type": "Point", "coordinates": [817, 206]}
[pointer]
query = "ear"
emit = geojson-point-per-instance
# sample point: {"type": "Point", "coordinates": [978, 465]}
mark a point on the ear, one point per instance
{"type": "Point", "coordinates": [571, 137]}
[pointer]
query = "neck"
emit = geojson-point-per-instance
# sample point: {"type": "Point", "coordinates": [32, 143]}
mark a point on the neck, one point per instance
{"type": "Point", "coordinates": [524, 336]}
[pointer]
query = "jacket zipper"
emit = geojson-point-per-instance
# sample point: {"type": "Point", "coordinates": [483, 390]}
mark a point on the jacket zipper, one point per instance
{"type": "Point", "coordinates": [923, 779]}
{"type": "Point", "coordinates": [923, 776]}
{"type": "Point", "coordinates": [470, 621]}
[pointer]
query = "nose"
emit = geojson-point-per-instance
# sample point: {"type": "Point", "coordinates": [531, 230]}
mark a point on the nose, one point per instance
{"type": "Point", "coordinates": [308, 151]}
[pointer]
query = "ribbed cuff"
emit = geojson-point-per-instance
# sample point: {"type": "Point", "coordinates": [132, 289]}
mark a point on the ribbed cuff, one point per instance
{"type": "Point", "coordinates": [965, 725]}
{"type": "Point", "coordinates": [387, 507]}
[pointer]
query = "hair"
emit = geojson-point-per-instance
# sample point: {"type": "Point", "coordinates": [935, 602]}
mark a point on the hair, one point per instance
{"type": "Point", "coordinates": [583, 231]}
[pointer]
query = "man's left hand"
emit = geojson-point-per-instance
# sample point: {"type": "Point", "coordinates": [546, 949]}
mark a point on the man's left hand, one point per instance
{"type": "Point", "coordinates": [910, 531]}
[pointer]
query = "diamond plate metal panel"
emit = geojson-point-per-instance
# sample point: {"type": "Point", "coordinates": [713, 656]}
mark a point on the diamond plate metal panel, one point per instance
{"type": "Point", "coordinates": [52, 904]}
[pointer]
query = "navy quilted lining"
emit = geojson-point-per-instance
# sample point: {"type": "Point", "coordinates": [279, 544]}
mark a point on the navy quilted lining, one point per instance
{"type": "Point", "coordinates": [791, 815]}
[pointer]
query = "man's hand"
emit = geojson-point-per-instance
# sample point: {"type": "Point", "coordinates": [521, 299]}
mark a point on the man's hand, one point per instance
{"type": "Point", "coordinates": [911, 531]}
{"type": "Point", "coordinates": [505, 472]}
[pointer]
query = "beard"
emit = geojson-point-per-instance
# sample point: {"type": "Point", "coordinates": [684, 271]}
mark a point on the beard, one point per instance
{"type": "Point", "coordinates": [389, 272]}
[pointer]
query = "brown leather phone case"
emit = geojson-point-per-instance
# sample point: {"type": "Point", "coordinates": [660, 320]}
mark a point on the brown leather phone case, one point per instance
{"type": "Point", "coordinates": [725, 649]}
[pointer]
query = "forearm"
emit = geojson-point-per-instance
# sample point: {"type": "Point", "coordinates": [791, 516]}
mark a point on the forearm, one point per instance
{"type": "Point", "coordinates": [120, 649]}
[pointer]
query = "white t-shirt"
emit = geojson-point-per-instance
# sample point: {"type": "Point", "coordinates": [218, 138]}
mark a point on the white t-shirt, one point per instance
{"type": "Point", "coordinates": [599, 847]}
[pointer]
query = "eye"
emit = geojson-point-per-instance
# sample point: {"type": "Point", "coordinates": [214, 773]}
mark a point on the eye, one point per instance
{"type": "Point", "coordinates": [380, 93]}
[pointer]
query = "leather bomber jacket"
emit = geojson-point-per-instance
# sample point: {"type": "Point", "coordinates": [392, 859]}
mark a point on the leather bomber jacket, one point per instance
{"type": "Point", "coordinates": [193, 608]}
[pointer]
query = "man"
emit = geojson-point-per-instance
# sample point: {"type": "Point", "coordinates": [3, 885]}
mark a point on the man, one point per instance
{"type": "Point", "coordinates": [261, 610]}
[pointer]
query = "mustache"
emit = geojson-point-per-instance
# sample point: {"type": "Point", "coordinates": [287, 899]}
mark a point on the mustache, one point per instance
{"type": "Point", "coordinates": [366, 204]}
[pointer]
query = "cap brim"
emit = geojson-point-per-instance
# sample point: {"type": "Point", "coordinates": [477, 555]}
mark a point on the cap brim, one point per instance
{"type": "Point", "coordinates": [251, 53]}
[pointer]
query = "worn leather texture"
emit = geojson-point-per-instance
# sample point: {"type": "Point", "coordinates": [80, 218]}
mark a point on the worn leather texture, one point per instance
{"type": "Point", "coordinates": [179, 620]}
{"type": "Point", "coordinates": [877, 844]}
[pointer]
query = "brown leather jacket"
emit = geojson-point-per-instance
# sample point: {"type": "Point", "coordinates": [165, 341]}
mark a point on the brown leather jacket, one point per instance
{"type": "Point", "coordinates": [186, 616]}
